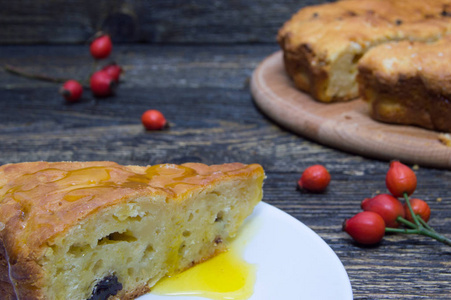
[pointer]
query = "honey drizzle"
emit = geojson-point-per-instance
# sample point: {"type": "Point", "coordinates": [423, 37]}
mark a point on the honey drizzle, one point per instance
{"type": "Point", "coordinates": [81, 183]}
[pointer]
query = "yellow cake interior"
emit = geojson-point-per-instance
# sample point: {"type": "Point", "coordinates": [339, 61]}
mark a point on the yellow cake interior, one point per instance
{"type": "Point", "coordinates": [149, 239]}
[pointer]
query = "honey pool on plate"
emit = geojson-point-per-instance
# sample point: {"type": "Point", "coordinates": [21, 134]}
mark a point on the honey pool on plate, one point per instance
{"type": "Point", "coordinates": [225, 276]}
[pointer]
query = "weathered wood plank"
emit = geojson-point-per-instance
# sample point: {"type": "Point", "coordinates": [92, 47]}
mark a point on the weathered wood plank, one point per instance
{"type": "Point", "coordinates": [204, 93]}
{"type": "Point", "coordinates": [161, 21]}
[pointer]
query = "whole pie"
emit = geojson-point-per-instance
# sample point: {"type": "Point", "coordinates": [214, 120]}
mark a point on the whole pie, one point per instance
{"type": "Point", "coordinates": [322, 44]}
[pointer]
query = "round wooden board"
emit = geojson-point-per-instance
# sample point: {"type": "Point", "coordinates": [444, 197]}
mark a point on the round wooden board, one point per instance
{"type": "Point", "coordinates": [346, 125]}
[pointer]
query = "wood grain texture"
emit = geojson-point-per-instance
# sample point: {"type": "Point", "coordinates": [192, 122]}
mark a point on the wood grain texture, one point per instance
{"type": "Point", "coordinates": [157, 21]}
{"type": "Point", "coordinates": [344, 125]}
{"type": "Point", "coordinates": [204, 93]}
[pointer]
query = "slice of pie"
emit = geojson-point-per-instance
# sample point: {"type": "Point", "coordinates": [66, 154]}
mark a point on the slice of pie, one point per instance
{"type": "Point", "coordinates": [90, 230]}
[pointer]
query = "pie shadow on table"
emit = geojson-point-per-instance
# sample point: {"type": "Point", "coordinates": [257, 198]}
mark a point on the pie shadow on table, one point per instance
{"type": "Point", "coordinates": [343, 125]}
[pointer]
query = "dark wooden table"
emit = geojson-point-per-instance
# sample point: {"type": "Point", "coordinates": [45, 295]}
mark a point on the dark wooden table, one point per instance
{"type": "Point", "coordinates": [204, 93]}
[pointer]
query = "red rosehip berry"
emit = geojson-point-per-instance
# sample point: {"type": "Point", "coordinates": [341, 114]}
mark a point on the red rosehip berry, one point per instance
{"type": "Point", "coordinates": [101, 47]}
{"type": "Point", "coordinates": [102, 84]}
{"type": "Point", "coordinates": [419, 207]}
{"type": "Point", "coordinates": [387, 206]}
{"type": "Point", "coordinates": [400, 179]}
{"type": "Point", "coordinates": [114, 71]}
{"type": "Point", "coordinates": [365, 228]}
{"type": "Point", "coordinates": [153, 120]}
{"type": "Point", "coordinates": [315, 179]}
{"type": "Point", "coordinates": [72, 90]}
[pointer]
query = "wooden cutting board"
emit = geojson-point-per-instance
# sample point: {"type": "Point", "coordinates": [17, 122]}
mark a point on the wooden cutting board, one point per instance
{"type": "Point", "coordinates": [345, 126]}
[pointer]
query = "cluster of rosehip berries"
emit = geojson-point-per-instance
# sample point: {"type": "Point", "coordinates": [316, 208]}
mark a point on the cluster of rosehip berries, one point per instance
{"type": "Point", "coordinates": [386, 213]}
{"type": "Point", "coordinates": [104, 81]}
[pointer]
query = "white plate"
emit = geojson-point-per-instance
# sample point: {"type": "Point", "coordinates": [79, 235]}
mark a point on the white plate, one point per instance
{"type": "Point", "coordinates": [293, 262]}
